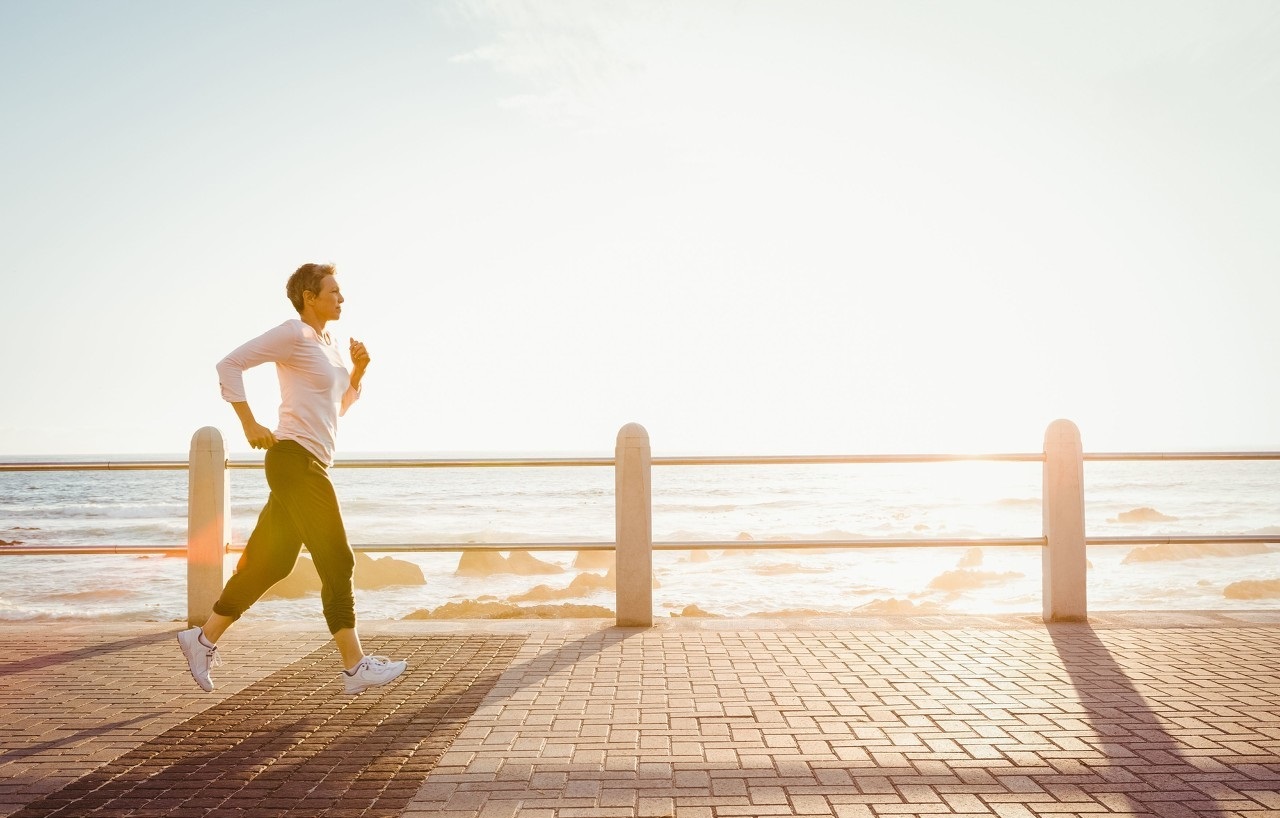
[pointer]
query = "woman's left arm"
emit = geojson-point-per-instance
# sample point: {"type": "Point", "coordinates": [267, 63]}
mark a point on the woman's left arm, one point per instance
{"type": "Point", "coordinates": [359, 362]}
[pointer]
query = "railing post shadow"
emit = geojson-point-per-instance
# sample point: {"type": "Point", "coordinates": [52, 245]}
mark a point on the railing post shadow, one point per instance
{"type": "Point", "coordinates": [208, 521]}
{"type": "Point", "coordinates": [1065, 564]}
{"type": "Point", "coordinates": [634, 520]}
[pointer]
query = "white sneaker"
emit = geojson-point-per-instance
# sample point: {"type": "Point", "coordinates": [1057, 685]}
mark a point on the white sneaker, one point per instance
{"type": "Point", "coordinates": [371, 672]}
{"type": "Point", "coordinates": [200, 657]}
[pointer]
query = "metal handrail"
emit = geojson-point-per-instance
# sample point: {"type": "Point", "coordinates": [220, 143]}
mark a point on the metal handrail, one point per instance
{"type": "Point", "coordinates": [100, 465]}
{"type": "Point", "coordinates": [541, 462]}
{"type": "Point", "coordinates": [727, 545]}
{"type": "Point", "coordinates": [677, 460]}
{"type": "Point", "coordinates": [452, 463]}
{"type": "Point", "coordinates": [685, 545]}
{"type": "Point", "coordinates": [455, 547]}
{"type": "Point", "coordinates": [1183, 539]}
{"type": "Point", "coordinates": [60, 550]}
{"type": "Point", "coordinates": [1131, 456]}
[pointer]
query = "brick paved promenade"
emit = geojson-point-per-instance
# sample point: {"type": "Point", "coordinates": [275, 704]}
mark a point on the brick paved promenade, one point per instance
{"type": "Point", "coordinates": [1135, 714]}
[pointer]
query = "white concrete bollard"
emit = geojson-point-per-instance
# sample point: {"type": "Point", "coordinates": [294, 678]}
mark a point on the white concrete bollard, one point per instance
{"type": "Point", "coordinates": [633, 490]}
{"type": "Point", "coordinates": [208, 522]}
{"type": "Point", "coordinates": [1065, 564]}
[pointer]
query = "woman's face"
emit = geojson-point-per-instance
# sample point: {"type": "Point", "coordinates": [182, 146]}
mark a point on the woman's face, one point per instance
{"type": "Point", "coordinates": [327, 305]}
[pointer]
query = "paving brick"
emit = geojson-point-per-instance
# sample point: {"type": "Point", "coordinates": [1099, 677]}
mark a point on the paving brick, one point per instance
{"type": "Point", "coordinates": [992, 717]}
{"type": "Point", "coordinates": [240, 749]}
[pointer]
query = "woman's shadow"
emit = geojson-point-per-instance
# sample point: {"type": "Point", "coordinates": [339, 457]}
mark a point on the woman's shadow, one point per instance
{"type": "Point", "coordinates": [1146, 770]}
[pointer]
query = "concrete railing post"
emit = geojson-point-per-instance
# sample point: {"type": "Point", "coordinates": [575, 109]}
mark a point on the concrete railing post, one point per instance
{"type": "Point", "coordinates": [1065, 564]}
{"type": "Point", "coordinates": [634, 515]}
{"type": "Point", "coordinates": [208, 522]}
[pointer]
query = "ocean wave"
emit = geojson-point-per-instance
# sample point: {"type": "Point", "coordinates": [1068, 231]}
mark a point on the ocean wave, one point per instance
{"type": "Point", "coordinates": [70, 532]}
{"type": "Point", "coordinates": [693, 507]}
{"type": "Point", "coordinates": [768, 505]}
{"type": "Point", "coordinates": [687, 535]}
{"type": "Point", "coordinates": [144, 612]}
{"type": "Point", "coordinates": [119, 511]}
{"type": "Point", "coordinates": [487, 535]}
{"type": "Point", "coordinates": [472, 609]}
{"type": "Point", "coordinates": [789, 613]}
{"type": "Point", "coordinates": [94, 595]}
{"type": "Point", "coordinates": [778, 569]}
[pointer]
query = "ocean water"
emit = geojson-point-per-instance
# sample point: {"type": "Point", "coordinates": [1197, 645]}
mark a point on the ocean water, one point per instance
{"type": "Point", "coordinates": [748, 503]}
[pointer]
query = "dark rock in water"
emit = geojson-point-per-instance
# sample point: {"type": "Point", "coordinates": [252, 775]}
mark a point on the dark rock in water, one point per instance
{"type": "Point", "coordinates": [386, 572]}
{"type": "Point", "coordinates": [370, 574]}
{"type": "Point", "coordinates": [477, 563]}
{"type": "Point", "coordinates": [542, 593]}
{"type": "Point", "coordinates": [963, 579]}
{"type": "Point", "coordinates": [1253, 589]}
{"type": "Point", "coordinates": [586, 583]}
{"type": "Point", "coordinates": [526, 564]}
{"type": "Point", "coordinates": [1141, 515]}
{"type": "Point", "coordinates": [594, 560]}
{"type": "Point", "coordinates": [1169, 552]}
{"type": "Point", "coordinates": [482, 563]}
{"type": "Point", "coordinates": [611, 578]}
{"type": "Point", "coordinates": [897, 607]}
{"type": "Point", "coordinates": [694, 610]}
{"type": "Point", "coordinates": [582, 585]}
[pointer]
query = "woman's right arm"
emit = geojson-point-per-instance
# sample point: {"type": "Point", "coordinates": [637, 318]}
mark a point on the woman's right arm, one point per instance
{"type": "Point", "coordinates": [273, 345]}
{"type": "Point", "coordinates": [259, 436]}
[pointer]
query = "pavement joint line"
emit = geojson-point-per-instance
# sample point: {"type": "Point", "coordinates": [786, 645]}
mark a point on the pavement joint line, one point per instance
{"type": "Point", "coordinates": [1160, 714]}
{"type": "Point", "coordinates": [295, 740]}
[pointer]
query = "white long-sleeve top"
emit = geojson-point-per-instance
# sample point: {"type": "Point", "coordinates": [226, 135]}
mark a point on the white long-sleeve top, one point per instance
{"type": "Point", "coordinates": [315, 386]}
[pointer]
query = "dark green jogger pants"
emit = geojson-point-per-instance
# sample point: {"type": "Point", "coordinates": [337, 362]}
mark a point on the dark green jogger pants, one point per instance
{"type": "Point", "coordinates": [302, 509]}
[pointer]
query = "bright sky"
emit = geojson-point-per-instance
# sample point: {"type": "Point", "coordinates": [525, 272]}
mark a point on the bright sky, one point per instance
{"type": "Point", "coordinates": [753, 227]}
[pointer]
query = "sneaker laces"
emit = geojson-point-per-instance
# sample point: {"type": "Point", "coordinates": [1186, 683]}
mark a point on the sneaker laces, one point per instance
{"type": "Point", "coordinates": [214, 659]}
{"type": "Point", "coordinates": [377, 661]}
